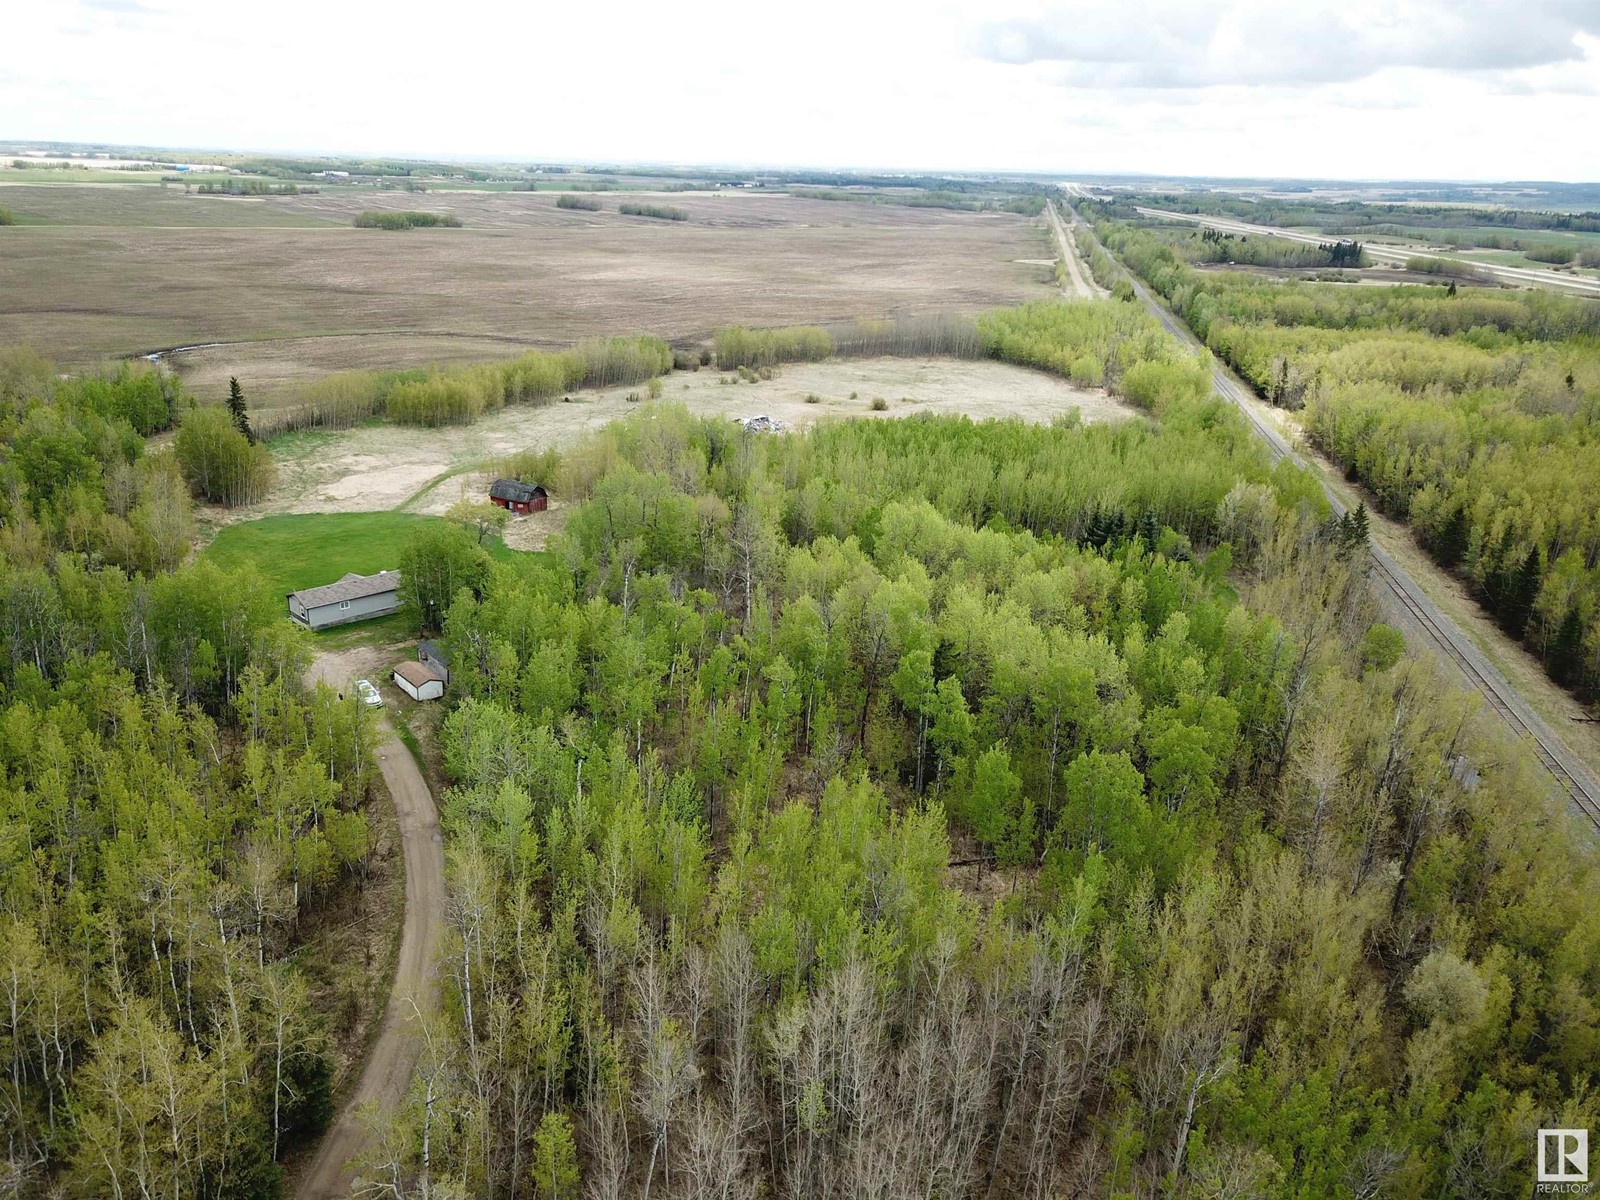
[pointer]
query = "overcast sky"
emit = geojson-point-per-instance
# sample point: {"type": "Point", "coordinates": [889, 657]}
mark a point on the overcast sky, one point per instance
{"type": "Point", "coordinates": [1467, 89]}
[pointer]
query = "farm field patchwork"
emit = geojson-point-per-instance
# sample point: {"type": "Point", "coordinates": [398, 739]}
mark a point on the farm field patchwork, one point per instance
{"type": "Point", "coordinates": [96, 273]}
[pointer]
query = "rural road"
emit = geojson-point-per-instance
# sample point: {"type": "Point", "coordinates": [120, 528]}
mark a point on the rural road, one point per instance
{"type": "Point", "coordinates": [1406, 597]}
{"type": "Point", "coordinates": [1388, 254]}
{"type": "Point", "coordinates": [1082, 283]}
{"type": "Point", "coordinates": [392, 1058]}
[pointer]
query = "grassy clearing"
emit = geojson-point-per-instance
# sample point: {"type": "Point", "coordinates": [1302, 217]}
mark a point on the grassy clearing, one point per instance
{"type": "Point", "coordinates": [310, 549]}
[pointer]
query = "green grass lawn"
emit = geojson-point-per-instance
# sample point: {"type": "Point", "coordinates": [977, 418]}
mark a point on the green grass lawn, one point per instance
{"type": "Point", "coordinates": [309, 550]}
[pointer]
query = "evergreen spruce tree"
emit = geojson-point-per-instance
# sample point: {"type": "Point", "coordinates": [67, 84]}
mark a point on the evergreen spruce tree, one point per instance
{"type": "Point", "coordinates": [1565, 660]}
{"type": "Point", "coordinates": [1360, 525]}
{"type": "Point", "coordinates": [236, 407]}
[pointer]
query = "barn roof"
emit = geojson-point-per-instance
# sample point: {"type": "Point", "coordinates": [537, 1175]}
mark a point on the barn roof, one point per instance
{"type": "Point", "coordinates": [514, 490]}
{"type": "Point", "coordinates": [350, 587]}
{"type": "Point", "coordinates": [416, 674]}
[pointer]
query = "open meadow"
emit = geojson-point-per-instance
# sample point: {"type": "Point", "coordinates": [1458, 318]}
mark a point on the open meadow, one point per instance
{"type": "Point", "coordinates": [382, 467]}
{"type": "Point", "coordinates": [93, 272]}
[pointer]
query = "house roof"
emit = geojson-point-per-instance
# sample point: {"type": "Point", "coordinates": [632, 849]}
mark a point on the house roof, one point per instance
{"type": "Point", "coordinates": [416, 674]}
{"type": "Point", "coordinates": [433, 650]}
{"type": "Point", "coordinates": [514, 489]}
{"type": "Point", "coordinates": [351, 587]}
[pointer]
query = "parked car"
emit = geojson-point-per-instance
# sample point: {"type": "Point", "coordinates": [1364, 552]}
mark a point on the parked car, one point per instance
{"type": "Point", "coordinates": [369, 694]}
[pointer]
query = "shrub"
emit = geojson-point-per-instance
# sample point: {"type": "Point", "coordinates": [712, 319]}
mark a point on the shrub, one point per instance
{"type": "Point", "coordinates": [610, 362]}
{"type": "Point", "coordinates": [406, 220]}
{"type": "Point", "coordinates": [218, 462]}
{"type": "Point", "coordinates": [813, 398]}
{"type": "Point", "coordinates": [1087, 371]}
{"type": "Point", "coordinates": [879, 404]}
{"type": "Point", "coordinates": [1552, 252]}
{"type": "Point", "coordinates": [660, 212]}
{"type": "Point", "coordinates": [1453, 267]}
{"type": "Point", "coordinates": [939, 334]}
{"type": "Point", "coordinates": [7, 217]}
{"type": "Point", "coordinates": [737, 346]}
{"type": "Point", "coordinates": [653, 388]}
{"type": "Point", "coordinates": [441, 400]}
{"type": "Point", "coordinates": [586, 203]}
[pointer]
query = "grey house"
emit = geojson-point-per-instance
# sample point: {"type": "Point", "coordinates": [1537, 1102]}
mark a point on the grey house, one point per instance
{"type": "Point", "coordinates": [431, 655]}
{"type": "Point", "coordinates": [353, 598]}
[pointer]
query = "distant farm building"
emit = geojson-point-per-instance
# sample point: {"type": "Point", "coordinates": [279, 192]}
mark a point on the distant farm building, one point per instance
{"type": "Point", "coordinates": [519, 497]}
{"type": "Point", "coordinates": [431, 655]}
{"type": "Point", "coordinates": [352, 598]}
{"type": "Point", "coordinates": [418, 681]}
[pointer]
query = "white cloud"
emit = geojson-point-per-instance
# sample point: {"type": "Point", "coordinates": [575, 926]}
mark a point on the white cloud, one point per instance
{"type": "Point", "coordinates": [1413, 88]}
{"type": "Point", "coordinates": [1166, 43]}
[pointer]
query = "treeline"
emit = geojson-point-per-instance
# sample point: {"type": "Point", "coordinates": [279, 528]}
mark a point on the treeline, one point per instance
{"type": "Point", "coordinates": [460, 395]}
{"type": "Point", "coordinates": [1031, 205]}
{"type": "Point", "coordinates": [406, 220]}
{"type": "Point", "coordinates": [585, 203]}
{"type": "Point", "coordinates": [1216, 246]}
{"type": "Point", "coordinates": [302, 168]}
{"type": "Point", "coordinates": [1351, 216]}
{"type": "Point", "coordinates": [247, 187]}
{"type": "Point", "coordinates": [1474, 417]}
{"type": "Point", "coordinates": [1091, 344]}
{"type": "Point", "coordinates": [1231, 921]}
{"type": "Point", "coordinates": [660, 212]}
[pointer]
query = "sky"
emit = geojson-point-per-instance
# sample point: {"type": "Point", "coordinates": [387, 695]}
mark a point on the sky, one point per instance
{"type": "Point", "coordinates": [1393, 89]}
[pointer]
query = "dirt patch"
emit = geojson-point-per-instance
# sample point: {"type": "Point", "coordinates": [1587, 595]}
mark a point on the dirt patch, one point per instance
{"type": "Point", "coordinates": [383, 467]}
{"type": "Point", "coordinates": [339, 669]}
{"type": "Point", "coordinates": [533, 531]}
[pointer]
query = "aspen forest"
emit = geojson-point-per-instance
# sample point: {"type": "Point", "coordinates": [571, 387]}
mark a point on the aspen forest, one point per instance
{"type": "Point", "coordinates": [1469, 413]}
{"type": "Point", "coordinates": [897, 808]}
{"type": "Point", "coordinates": [929, 808]}
{"type": "Point", "coordinates": [177, 815]}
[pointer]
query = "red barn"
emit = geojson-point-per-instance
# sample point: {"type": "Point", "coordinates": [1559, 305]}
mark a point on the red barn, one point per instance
{"type": "Point", "coordinates": [519, 497]}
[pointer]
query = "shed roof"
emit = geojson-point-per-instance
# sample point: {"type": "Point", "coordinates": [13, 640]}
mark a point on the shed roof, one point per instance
{"type": "Point", "coordinates": [432, 649]}
{"type": "Point", "coordinates": [416, 674]}
{"type": "Point", "coordinates": [514, 489]}
{"type": "Point", "coordinates": [350, 587]}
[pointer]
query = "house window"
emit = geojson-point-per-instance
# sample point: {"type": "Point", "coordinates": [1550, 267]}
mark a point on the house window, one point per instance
{"type": "Point", "coordinates": [343, 604]}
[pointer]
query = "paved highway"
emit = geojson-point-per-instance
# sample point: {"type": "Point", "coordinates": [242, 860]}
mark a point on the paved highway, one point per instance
{"type": "Point", "coordinates": [1403, 593]}
{"type": "Point", "coordinates": [1582, 285]}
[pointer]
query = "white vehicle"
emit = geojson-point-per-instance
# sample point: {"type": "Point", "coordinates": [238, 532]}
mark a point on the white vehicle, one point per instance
{"type": "Point", "coordinates": [369, 694]}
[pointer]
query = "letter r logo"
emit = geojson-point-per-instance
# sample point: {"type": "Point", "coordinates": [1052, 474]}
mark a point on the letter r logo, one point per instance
{"type": "Point", "coordinates": [1563, 1156]}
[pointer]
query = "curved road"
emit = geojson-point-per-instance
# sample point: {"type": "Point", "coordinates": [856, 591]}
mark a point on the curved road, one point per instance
{"type": "Point", "coordinates": [1404, 596]}
{"type": "Point", "coordinates": [393, 1057]}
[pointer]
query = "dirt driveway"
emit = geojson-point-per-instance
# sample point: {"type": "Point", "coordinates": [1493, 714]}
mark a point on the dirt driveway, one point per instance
{"type": "Point", "coordinates": [386, 1077]}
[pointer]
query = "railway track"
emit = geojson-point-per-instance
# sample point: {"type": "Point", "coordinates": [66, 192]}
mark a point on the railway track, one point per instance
{"type": "Point", "coordinates": [1569, 774]}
